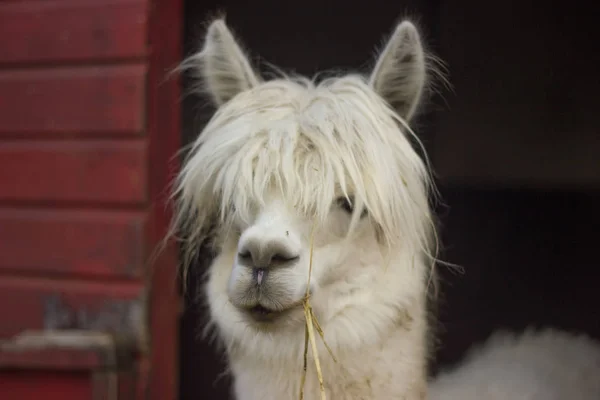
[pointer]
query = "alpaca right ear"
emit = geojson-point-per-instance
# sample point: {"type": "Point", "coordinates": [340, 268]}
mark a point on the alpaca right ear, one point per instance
{"type": "Point", "coordinates": [224, 68]}
{"type": "Point", "coordinates": [399, 74]}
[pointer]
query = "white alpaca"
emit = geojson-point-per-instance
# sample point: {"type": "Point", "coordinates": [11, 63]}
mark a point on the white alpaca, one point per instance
{"type": "Point", "coordinates": [287, 164]}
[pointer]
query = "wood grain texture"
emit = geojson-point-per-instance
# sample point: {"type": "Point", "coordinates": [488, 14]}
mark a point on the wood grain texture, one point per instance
{"type": "Point", "coordinates": [72, 30]}
{"type": "Point", "coordinates": [74, 171]}
{"type": "Point", "coordinates": [85, 243]}
{"type": "Point", "coordinates": [73, 100]}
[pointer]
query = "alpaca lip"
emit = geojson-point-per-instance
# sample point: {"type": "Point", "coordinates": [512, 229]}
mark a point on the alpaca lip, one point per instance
{"type": "Point", "coordinates": [263, 314]}
{"type": "Point", "coordinates": [264, 308]}
{"type": "Point", "coordinates": [260, 313]}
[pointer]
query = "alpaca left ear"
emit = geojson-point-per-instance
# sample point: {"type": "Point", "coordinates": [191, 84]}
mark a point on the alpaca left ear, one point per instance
{"type": "Point", "coordinates": [224, 67]}
{"type": "Point", "coordinates": [399, 74]}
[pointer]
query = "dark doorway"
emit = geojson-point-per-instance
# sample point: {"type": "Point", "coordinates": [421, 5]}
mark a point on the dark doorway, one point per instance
{"type": "Point", "coordinates": [515, 147]}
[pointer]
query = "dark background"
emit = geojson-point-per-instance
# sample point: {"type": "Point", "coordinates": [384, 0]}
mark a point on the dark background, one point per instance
{"type": "Point", "coordinates": [516, 148]}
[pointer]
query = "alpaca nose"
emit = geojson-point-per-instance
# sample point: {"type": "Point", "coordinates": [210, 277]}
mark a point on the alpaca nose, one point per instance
{"type": "Point", "coordinates": [262, 255]}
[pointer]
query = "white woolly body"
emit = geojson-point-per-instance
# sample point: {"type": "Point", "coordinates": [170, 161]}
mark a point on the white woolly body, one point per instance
{"type": "Point", "coordinates": [288, 171]}
{"type": "Point", "coordinates": [546, 365]}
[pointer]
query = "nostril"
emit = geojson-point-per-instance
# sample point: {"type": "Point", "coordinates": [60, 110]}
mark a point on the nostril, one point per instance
{"type": "Point", "coordinates": [261, 249]}
{"type": "Point", "coordinates": [283, 258]}
{"type": "Point", "coordinates": [266, 256]}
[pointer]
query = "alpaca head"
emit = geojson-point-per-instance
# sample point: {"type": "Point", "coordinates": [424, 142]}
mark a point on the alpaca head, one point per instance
{"type": "Point", "coordinates": [288, 171]}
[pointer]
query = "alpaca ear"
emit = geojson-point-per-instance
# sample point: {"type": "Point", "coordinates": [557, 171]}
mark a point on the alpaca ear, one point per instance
{"type": "Point", "coordinates": [399, 74]}
{"type": "Point", "coordinates": [224, 68]}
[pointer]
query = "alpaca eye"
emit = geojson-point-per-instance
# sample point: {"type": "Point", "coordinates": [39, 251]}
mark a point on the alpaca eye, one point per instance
{"type": "Point", "coordinates": [347, 205]}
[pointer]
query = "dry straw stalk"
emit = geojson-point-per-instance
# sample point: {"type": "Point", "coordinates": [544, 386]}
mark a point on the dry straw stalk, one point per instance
{"type": "Point", "coordinates": [312, 324]}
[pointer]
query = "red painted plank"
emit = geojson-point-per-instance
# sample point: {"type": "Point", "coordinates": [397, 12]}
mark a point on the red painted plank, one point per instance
{"type": "Point", "coordinates": [88, 171]}
{"type": "Point", "coordinates": [47, 385]}
{"type": "Point", "coordinates": [72, 30]}
{"type": "Point", "coordinates": [81, 243]}
{"type": "Point", "coordinates": [36, 304]}
{"type": "Point", "coordinates": [75, 101]}
{"type": "Point", "coordinates": [165, 30]}
{"type": "Point", "coordinates": [53, 359]}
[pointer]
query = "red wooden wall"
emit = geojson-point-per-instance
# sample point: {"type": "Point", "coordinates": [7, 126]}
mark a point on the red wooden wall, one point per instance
{"type": "Point", "coordinates": [89, 124]}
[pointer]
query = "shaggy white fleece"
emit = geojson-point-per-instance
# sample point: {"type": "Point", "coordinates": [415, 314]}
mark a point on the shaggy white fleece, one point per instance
{"type": "Point", "coordinates": [546, 365]}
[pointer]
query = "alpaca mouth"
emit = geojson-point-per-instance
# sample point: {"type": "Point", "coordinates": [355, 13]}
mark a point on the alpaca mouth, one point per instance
{"type": "Point", "coordinates": [263, 314]}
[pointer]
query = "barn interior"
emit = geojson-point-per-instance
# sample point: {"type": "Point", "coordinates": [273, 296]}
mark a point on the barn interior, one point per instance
{"type": "Point", "coordinates": [514, 147]}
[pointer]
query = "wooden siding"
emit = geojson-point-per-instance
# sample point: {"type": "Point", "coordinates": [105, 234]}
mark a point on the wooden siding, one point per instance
{"type": "Point", "coordinates": [89, 125]}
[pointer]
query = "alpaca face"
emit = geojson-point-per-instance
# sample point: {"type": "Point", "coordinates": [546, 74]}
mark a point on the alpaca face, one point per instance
{"type": "Point", "coordinates": [288, 167]}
